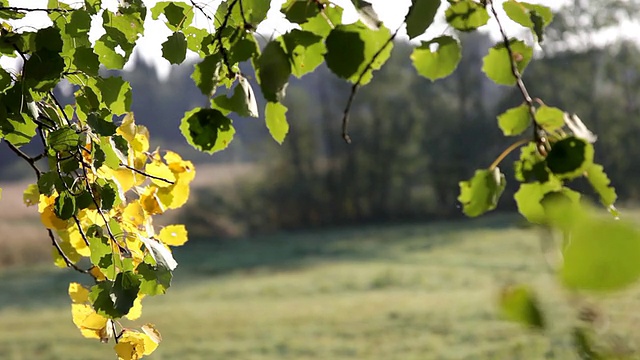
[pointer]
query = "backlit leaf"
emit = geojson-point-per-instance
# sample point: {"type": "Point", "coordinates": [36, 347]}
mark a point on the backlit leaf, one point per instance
{"type": "Point", "coordinates": [601, 184]}
{"type": "Point", "coordinates": [515, 120]}
{"type": "Point", "coordinates": [497, 64]}
{"type": "Point", "coordinates": [350, 48]}
{"type": "Point", "coordinates": [519, 304]}
{"type": "Point", "coordinates": [273, 71]}
{"type": "Point", "coordinates": [276, 119]}
{"type": "Point", "coordinates": [570, 157]}
{"type": "Point", "coordinates": [550, 118]}
{"type": "Point", "coordinates": [175, 48]}
{"type": "Point", "coordinates": [173, 235]}
{"type": "Point", "coordinates": [482, 192]}
{"type": "Point", "coordinates": [421, 16]}
{"type": "Point", "coordinates": [466, 15]}
{"type": "Point", "coordinates": [207, 130]}
{"type": "Point", "coordinates": [439, 63]}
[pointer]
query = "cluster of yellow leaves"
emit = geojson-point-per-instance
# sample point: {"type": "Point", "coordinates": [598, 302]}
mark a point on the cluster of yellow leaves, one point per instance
{"type": "Point", "coordinates": [131, 344]}
{"type": "Point", "coordinates": [148, 183]}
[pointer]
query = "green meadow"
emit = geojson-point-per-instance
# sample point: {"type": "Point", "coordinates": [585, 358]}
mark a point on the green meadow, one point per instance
{"type": "Point", "coordinates": [379, 292]}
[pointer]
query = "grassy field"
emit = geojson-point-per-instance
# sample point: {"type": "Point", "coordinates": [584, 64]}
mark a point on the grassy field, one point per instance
{"type": "Point", "coordinates": [393, 292]}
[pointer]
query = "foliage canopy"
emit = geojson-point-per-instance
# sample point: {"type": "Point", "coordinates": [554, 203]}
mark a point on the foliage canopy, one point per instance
{"type": "Point", "coordinates": [99, 184]}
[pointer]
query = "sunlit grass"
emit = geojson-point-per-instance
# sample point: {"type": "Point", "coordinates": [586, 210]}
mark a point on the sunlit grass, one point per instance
{"type": "Point", "coordinates": [394, 292]}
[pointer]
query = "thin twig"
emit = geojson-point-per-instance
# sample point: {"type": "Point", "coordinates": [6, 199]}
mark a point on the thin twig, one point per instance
{"type": "Point", "coordinates": [48, 11]}
{"type": "Point", "coordinates": [516, 73]}
{"type": "Point", "coordinates": [60, 107]}
{"type": "Point", "coordinates": [508, 151]}
{"type": "Point", "coordinates": [356, 85]}
{"type": "Point", "coordinates": [218, 38]}
{"type": "Point", "coordinates": [26, 158]}
{"type": "Point", "coordinates": [63, 255]}
{"type": "Point", "coordinates": [201, 9]}
{"type": "Point", "coordinates": [84, 236]}
{"type": "Point", "coordinates": [147, 175]}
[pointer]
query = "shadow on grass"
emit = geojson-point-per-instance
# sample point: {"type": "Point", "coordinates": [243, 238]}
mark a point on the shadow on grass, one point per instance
{"type": "Point", "coordinates": [204, 258]}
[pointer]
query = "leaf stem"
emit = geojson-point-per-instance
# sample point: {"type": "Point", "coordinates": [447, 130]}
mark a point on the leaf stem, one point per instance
{"type": "Point", "coordinates": [506, 152]}
{"type": "Point", "coordinates": [147, 175]}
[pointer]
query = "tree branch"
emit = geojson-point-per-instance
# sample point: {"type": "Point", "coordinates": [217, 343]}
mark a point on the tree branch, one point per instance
{"type": "Point", "coordinates": [21, 9]}
{"type": "Point", "coordinates": [356, 85]}
{"type": "Point", "coordinates": [25, 157]}
{"type": "Point", "coordinates": [147, 175]}
{"type": "Point", "coordinates": [516, 73]}
{"type": "Point", "coordinates": [63, 255]}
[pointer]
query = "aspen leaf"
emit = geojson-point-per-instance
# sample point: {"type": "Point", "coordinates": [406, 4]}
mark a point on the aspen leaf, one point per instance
{"type": "Point", "coordinates": [31, 195]}
{"type": "Point", "coordinates": [162, 171]}
{"type": "Point", "coordinates": [136, 310]}
{"type": "Point", "coordinates": [134, 345]}
{"type": "Point", "coordinates": [78, 293]}
{"type": "Point", "coordinates": [173, 235]}
{"type": "Point", "coordinates": [90, 323]}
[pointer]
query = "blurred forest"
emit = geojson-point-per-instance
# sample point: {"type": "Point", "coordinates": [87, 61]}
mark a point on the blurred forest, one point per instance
{"type": "Point", "coordinates": [413, 140]}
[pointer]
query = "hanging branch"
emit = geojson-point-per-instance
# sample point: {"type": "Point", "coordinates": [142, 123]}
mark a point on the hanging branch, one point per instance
{"type": "Point", "coordinates": [516, 73]}
{"type": "Point", "coordinates": [21, 9]}
{"type": "Point", "coordinates": [218, 38]}
{"type": "Point", "coordinates": [147, 175]}
{"type": "Point", "coordinates": [63, 255]}
{"type": "Point", "coordinates": [356, 86]}
{"type": "Point", "coordinates": [31, 161]}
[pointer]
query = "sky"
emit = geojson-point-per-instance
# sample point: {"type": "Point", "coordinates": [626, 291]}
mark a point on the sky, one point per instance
{"type": "Point", "coordinates": [391, 12]}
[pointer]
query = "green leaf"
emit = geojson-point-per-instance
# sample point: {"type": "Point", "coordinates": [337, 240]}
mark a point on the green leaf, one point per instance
{"type": "Point", "coordinates": [550, 118]}
{"type": "Point", "coordinates": [603, 254]}
{"type": "Point", "coordinates": [299, 11]}
{"type": "Point", "coordinates": [18, 129]}
{"type": "Point", "coordinates": [111, 158]}
{"type": "Point", "coordinates": [421, 16]}
{"type": "Point", "coordinates": [255, 11]}
{"type": "Point", "coordinates": [351, 48]}
{"type": "Point", "coordinates": [100, 298]}
{"type": "Point", "coordinates": [49, 39]}
{"type": "Point", "coordinates": [601, 184]}
{"type": "Point", "coordinates": [105, 49]}
{"type": "Point", "coordinates": [439, 63]}
{"type": "Point", "coordinates": [179, 15]}
{"type": "Point", "coordinates": [515, 121]}
{"type": "Point", "coordinates": [466, 15]}
{"type": "Point", "coordinates": [124, 291]}
{"type": "Point", "coordinates": [243, 102]}
{"type": "Point", "coordinates": [276, 120]}
{"type": "Point", "coordinates": [175, 48]}
{"type": "Point", "coordinates": [101, 126]}
{"type": "Point", "coordinates": [482, 192]}
{"type": "Point", "coordinates": [85, 60]}
{"type": "Point", "coordinates": [43, 70]}
{"type": "Point", "coordinates": [5, 80]}
{"type": "Point", "coordinates": [65, 206]}
{"type": "Point", "coordinates": [319, 24]}
{"type": "Point", "coordinates": [273, 71]}
{"type": "Point", "coordinates": [46, 182]}
{"type": "Point", "coordinates": [107, 194]}
{"type": "Point", "coordinates": [115, 93]}
{"type": "Point", "coordinates": [531, 165]}
{"type": "Point", "coordinates": [208, 73]}
{"type": "Point", "coordinates": [63, 139]}
{"type": "Point", "coordinates": [529, 197]}
{"type": "Point", "coordinates": [519, 304]}
{"type": "Point", "coordinates": [497, 64]}
{"type": "Point", "coordinates": [102, 253]}
{"type": "Point", "coordinates": [207, 130]}
{"type": "Point", "coordinates": [532, 16]}
{"type": "Point", "coordinates": [304, 49]}
{"type": "Point", "coordinates": [243, 49]}
{"type": "Point", "coordinates": [155, 280]}
{"type": "Point", "coordinates": [570, 157]}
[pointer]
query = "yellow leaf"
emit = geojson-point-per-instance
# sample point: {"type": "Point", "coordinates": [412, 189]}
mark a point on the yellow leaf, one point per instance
{"type": "Point", "coordinates": [0, 193]}
{"type": "Point", "coordinates": [162, 171]}
{"type": "Point", "coordinates": [51, 221]}
{"type": "Point", "coordinates": [74, 238]}
{"type": "Point", "coordinates": [134, 345]}
{"type": "Point", "coordinates": [152, 332]}
{"type": "Point", "coordinates": [136, 310]}
{"type": "Point", "coordinates": [57, 259]}
{"type": "Point", "coordinates": [150, 202]}
{"type": "Point", "coordinates": [140, 142]}
{"type": "Point", "coordinates": [174, 235]}
{"type": "Point", "coordinates": [174, 196]}
{"type": "Point", "coordinates": [31, 195]}
{"type": "Point", "coordinates": [91, 324]}
{"type": "Point", "coordinates": [134, 245]}
{"type": "Point", "coordinates": [133, 214]}
{"type": "Point", "coordinates": [125, 177]}
{"type": "Point", "coordinates": [184, 170]}
{"type": "Point", "coordinates": [128, 127]}
{"type": "Point", "coordinates": [97, 274]}
{"type": "Point", "coordinates": [78, 293]}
